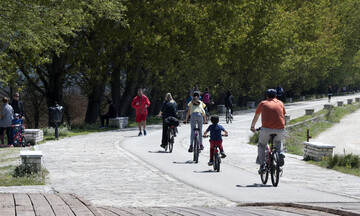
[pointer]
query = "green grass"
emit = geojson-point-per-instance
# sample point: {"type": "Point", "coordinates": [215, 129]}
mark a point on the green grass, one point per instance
{"type": "Point", "coordinates": [347, 163]}
{"type": "Point", "coordinates": [7, 177]}
{"type": "Point", "coordinates": [9, 160]}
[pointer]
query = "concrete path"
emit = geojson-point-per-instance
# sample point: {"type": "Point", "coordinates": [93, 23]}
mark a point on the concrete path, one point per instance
{"type": "Point", "coordinates": [118, 169]}
{"type": "Point", "coordinates": [344, 135]}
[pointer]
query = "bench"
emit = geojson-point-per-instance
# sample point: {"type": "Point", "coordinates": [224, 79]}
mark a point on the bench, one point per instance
{"type": "Point", "coordinates": [33, 136]}
{"type": "Point", "coordinates": [302, 98]}
{"type": "Point", "coordinates": [289, 100]}
{"type": "Point", "coordinates": [357, 99]}
{"type": "Point", "coordinates": [250, 104]}
{"type": "Point", "coordinates": [221, 108]}
{"type": "Point", "coordinates": [287, 119]}
{"type": "Point", "coordinates": [118, 122]}
{"type": "Point", "coordinates": [32, 158]}
{"type": "Point", "coordinates": [309, 111]}
{"type": "Point", "coordinates": [340, 103]}
{"type": "Point", "coordinates": [182, 114]}
{"type": "Point", "coordinates": [317, 150]}
{"type": "Point", "coordinates": [328, 106]}
{"type": "Point", "coordinates": [349, 101]}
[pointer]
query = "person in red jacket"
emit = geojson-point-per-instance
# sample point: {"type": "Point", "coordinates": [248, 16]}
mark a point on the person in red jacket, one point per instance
{"type": "Point", "coordinates": [140, 103]}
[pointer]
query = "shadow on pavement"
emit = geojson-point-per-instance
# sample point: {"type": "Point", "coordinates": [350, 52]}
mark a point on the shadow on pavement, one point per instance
{"type": "Point", "coordinates": [254, 185]}
{"type": "Point", "coordinates": [186, 162]}
{"type": "Point", "coordinates": [159, 151]}
{"type": "Point", "coordinates": [206, 171]}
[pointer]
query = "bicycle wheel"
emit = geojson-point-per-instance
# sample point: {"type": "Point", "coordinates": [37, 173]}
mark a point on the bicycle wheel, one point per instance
{"type": "Point", "coordinates": [171, 142]}
{"type": "Point", "coordinates": [196, 150]}
{"type": "Point", "coordinates": [23, 142]}
{"type": "Point", "coordinates": [217, 162]}
{"type": "Point", "coordinates": [230, 118]}
{"type": "Point", "coordinates": [274, 168]}
{"type": "Point", "coordinates": [265, 176]}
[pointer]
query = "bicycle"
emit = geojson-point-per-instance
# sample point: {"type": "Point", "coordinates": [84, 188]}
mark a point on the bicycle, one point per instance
{"type": "Point", "coordinates": [229, 118]}
{"type": "Point", "coordinates": [196, 143]}
{"type": "Point", "coordinates": [216, 156]}
{"type": "Point", "coordinates": [19, 138]}
{"type": "Point", "coordinates": [272, 164]}
{"type": "Point", "coordinates": [171, 133]}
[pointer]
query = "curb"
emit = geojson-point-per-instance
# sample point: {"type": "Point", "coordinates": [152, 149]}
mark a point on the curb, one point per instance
{"type": "Point", "coordinates": [305, 206]}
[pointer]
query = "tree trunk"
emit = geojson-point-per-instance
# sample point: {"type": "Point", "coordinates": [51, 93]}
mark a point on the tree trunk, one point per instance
{"type": "Point", "coordinates": [129, 93]}
{"type": "Point", "coordinates": [116, 88]}
{"type": "Point", "coordinates": [94, 103]}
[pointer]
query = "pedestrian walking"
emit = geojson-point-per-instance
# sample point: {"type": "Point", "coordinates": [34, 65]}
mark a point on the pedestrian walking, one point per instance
{"type": "Point", "coordinates": [112, 113]}
{"type": "Point", "coordinates": [17, 105]}
{"type": "Point", "coordinates": [140, 103]}
{"type": "Point", "coordinates": [7, 115]}
{"type": "Point", "coordinates": [279, 92]}
{"type": "Point", "coordinates": [329, 93]}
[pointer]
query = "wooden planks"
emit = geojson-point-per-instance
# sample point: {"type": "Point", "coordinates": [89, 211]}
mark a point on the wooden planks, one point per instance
{"type": "Point", "coordinates": [7, 205]}
{"type": "Point", "coordinates": [23, 205]}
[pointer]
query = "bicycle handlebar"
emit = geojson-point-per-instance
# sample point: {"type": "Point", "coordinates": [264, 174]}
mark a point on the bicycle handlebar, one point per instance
{"type": "Point", "coordinates": [224, 135]}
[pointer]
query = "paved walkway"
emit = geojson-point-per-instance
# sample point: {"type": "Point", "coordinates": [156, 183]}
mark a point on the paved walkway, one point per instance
{"type": "Point", "coordinates": [342, 134]}
{"type": "Point", "coordinates": [95, 166]}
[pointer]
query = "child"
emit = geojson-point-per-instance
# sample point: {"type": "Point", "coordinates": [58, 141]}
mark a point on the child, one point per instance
{"type": "Point", "coordinates": [17, 120]}
{"type": "Point", "coordinates": [215, 137]}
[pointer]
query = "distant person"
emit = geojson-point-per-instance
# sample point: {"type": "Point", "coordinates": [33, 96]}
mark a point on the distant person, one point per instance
{"type": "Point", "coordinates": [188, 100]}
{"type": "Point", "coordinates": [168, 109]}
{"type": "Point", "coordinates": [272, 113]}
{"type": "Point", "coordinates": [17, 105]}
{"type": "Point", "coordinates": [215, 137]}
{"type": "Point", "coordinates": [206, 98]}
{"type": "Point", "coordinates": [329, 93]}
{"type": "Point", "coordinates": [112, 113]}
{"type": "Point", "coordinates": [230, 102]}
{"type": "Point", "coordinates": [7, 114]}
{"type": "Point", "coordinates": [279, 92]}
{"type": "Point", "coordinates": [195, 89]}
{"type": "Point", "coordinates": [140, 103]}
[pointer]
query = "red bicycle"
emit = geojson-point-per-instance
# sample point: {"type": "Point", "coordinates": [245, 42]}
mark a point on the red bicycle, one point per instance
{"type": "Point", "coordinates": [19, 138]}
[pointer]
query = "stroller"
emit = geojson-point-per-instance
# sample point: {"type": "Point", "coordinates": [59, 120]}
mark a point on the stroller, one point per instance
{"type": "Point", "coordinates": [18, 131]}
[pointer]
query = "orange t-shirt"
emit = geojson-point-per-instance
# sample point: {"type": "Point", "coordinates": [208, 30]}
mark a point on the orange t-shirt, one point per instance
{"type": "Point", "coordinates": [272, 113]}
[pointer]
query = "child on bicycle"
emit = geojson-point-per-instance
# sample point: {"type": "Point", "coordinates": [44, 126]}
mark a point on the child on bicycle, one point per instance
{"type": "Point", "coordinates": [215, 137]}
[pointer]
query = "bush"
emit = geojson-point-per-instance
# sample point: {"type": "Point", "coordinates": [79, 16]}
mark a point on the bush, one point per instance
{"type": "Point", "coordinates": [63, 131]}
{"type": "Point", "coordinates": [24, 170]}
{"type": "Point", "coordinates": [348, 160]}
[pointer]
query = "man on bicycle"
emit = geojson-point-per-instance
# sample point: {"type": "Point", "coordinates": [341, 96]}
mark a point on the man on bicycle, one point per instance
{"type": "Point", "coordinates": [272, 113]}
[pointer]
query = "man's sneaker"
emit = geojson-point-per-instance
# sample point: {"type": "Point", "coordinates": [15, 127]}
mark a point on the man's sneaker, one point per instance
{"type": "Point", "coordinates": [140, 134]}
{"type": "Point", "coordinates": [210, 162]}
{"type": "Point", "coordinates": [144, 132]}
{"type": "Point", "coordinates": [162, 146]}
{"type": "Point", "coordinates": [201, 147]}
{"type": "Point", "coordinates": [190, 149]}
{"type": "Point", "coordinates": [281, 159]}
{"type": "Point", "coordinates": [262, 169]}
{"type": "Point", "coordinates": [223, 155]}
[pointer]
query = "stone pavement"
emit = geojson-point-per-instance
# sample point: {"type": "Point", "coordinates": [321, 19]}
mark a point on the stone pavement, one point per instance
{"type": "Point", "coordinates": [96, 167]}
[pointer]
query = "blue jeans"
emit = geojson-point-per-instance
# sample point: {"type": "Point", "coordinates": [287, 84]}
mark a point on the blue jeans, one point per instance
{"type": "Point", "coordinates": [196, 117]}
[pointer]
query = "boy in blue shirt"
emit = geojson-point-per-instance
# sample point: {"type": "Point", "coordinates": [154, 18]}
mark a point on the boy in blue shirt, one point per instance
{"type": "Point", "coordinates": [215, 137]}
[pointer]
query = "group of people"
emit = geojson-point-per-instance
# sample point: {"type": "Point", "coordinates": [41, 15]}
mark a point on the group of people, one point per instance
{"type": "Point", "coordinates": [272, 113]}
{"type": "Point", "coordinates": [11, 114]}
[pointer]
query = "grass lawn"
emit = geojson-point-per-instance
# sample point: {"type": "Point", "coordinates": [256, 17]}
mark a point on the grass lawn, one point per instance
{"type": "Point", "coordinates": [9, 161]}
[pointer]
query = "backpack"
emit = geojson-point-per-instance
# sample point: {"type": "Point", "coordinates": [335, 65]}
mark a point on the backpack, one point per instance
{"type": "Point", "coordinates": [206, 97]}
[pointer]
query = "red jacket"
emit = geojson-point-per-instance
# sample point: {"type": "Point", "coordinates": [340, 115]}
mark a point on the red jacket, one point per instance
{"type": "Point", "coordinates": [138, 103]}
